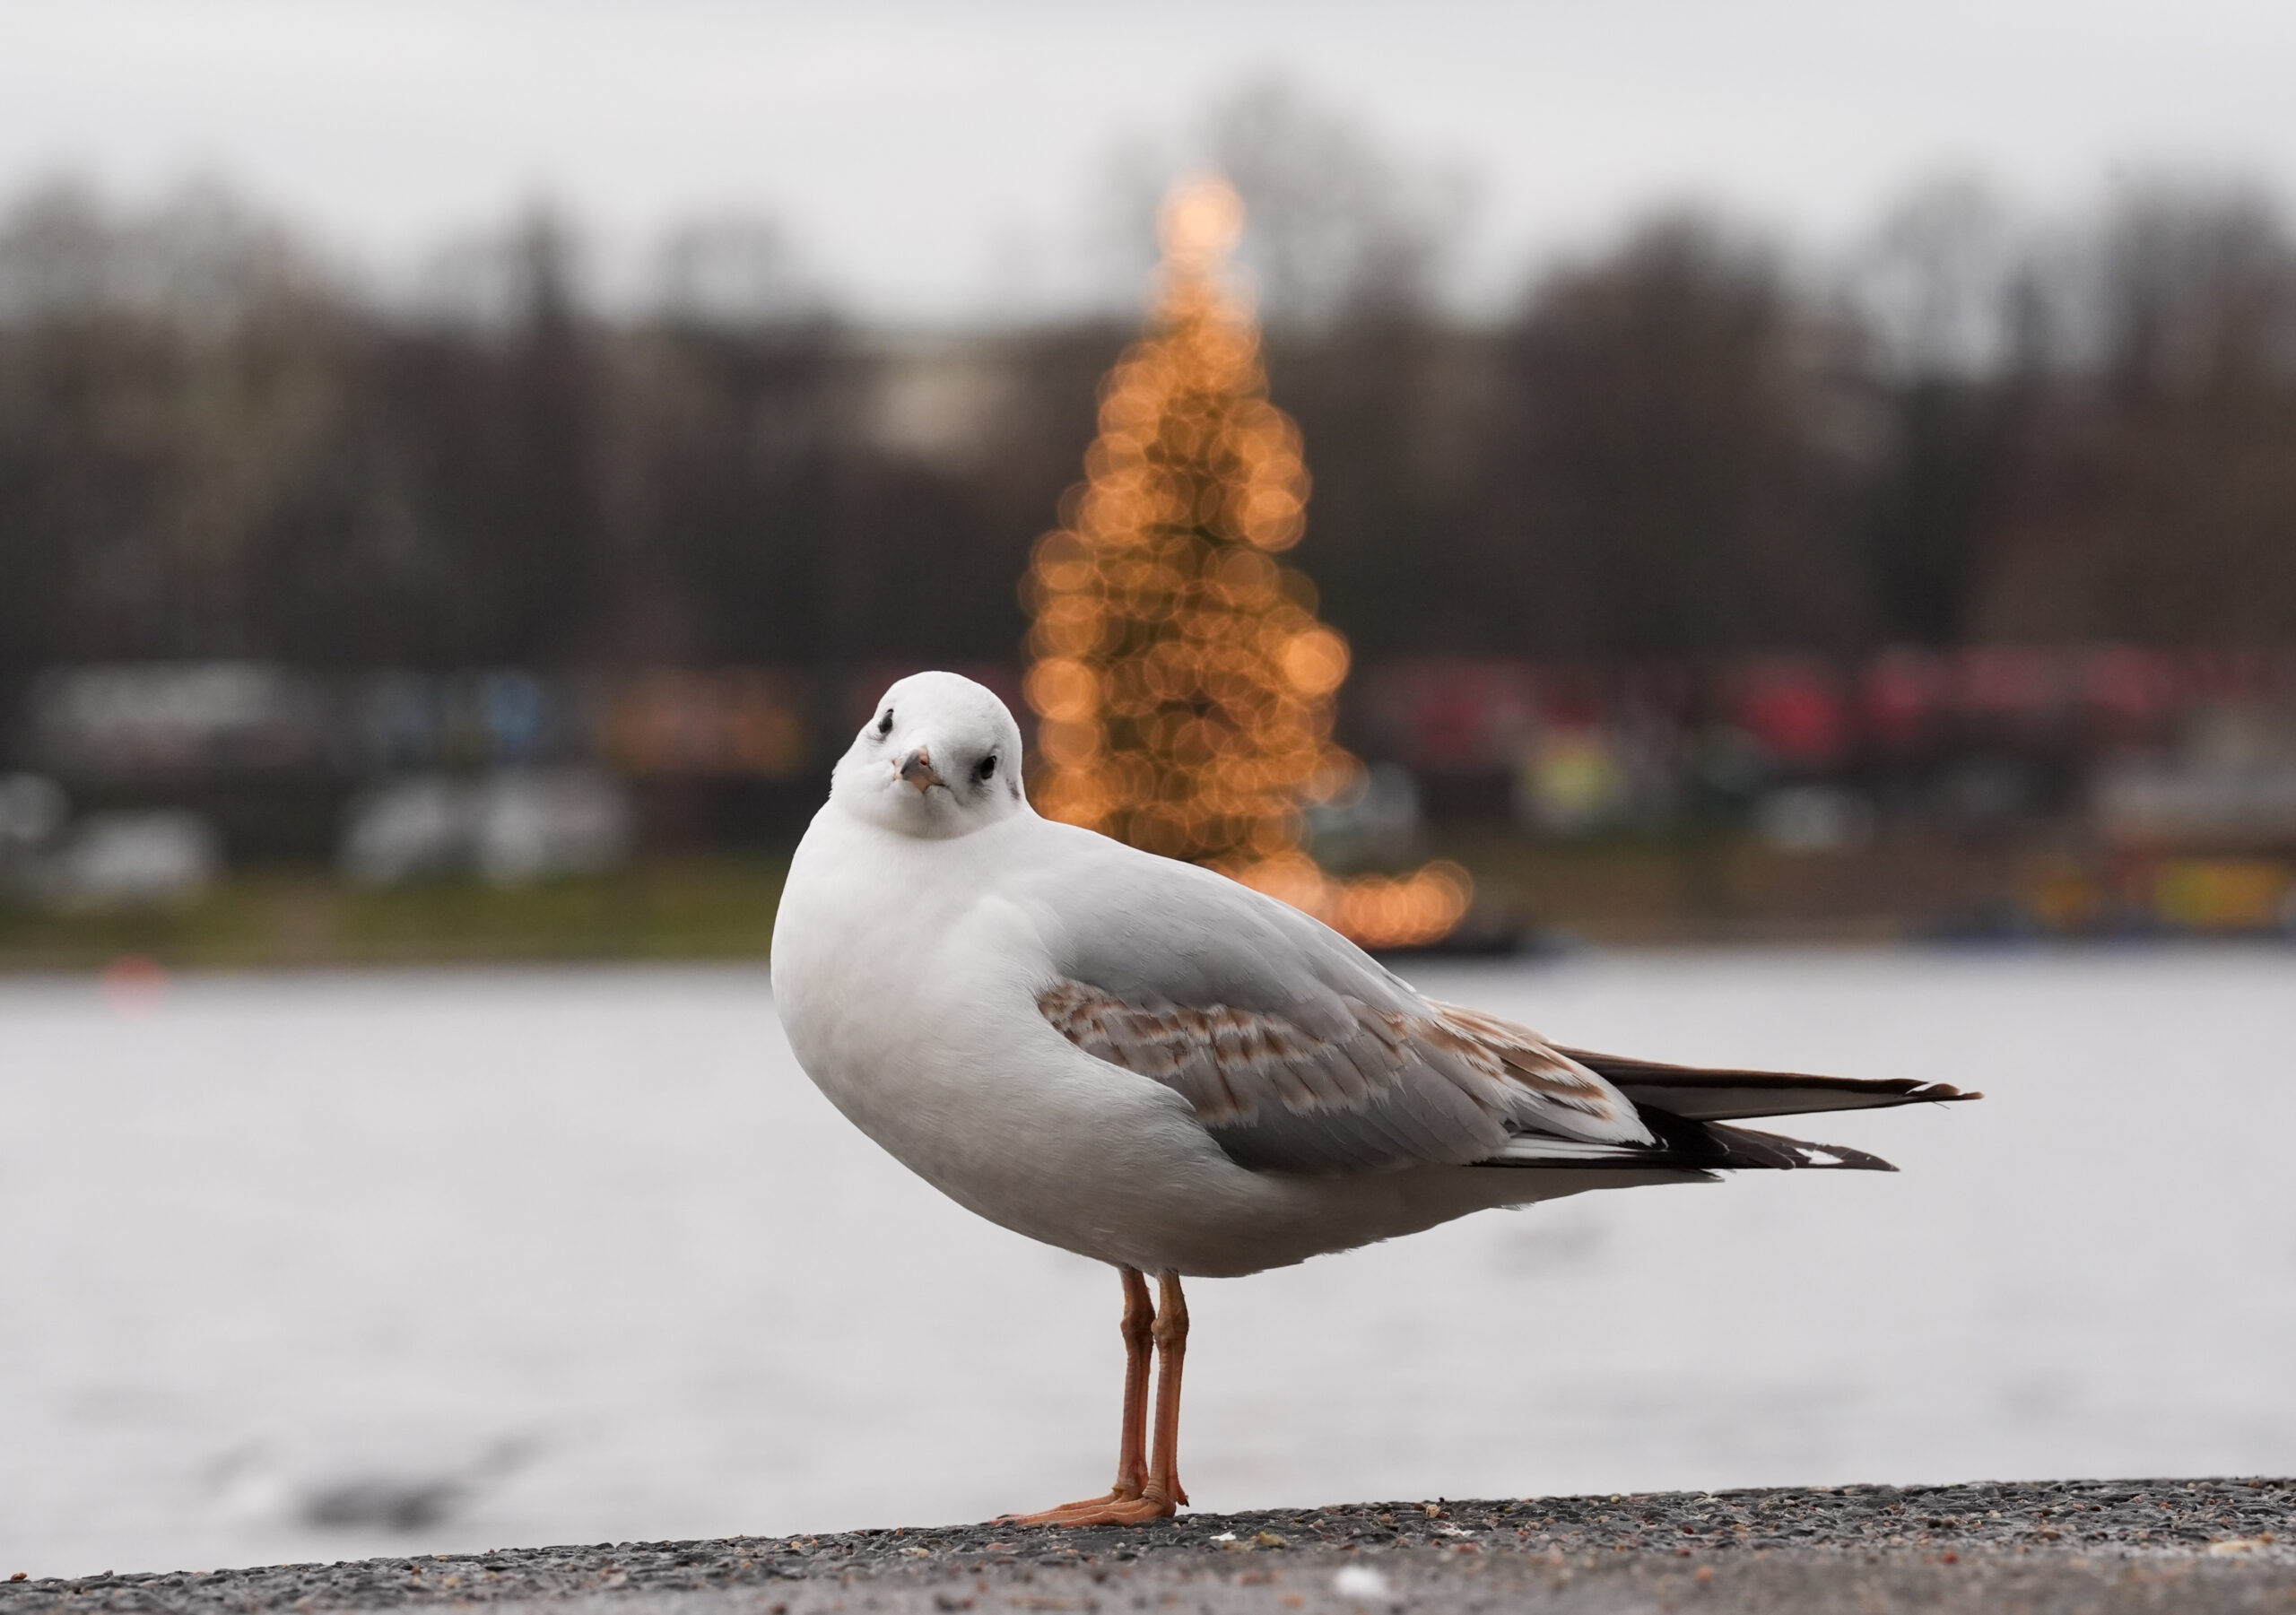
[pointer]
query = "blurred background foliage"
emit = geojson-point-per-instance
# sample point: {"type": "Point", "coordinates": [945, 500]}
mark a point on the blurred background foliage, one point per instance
{"type": "Point", "coordinates": [1678, 448]}
{"type": "Point", "coordinates": [1683, 443]}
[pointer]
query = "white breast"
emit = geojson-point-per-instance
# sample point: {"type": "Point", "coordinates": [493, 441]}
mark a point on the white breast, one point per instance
{"type": "Point", "coordinates": [908, 990]}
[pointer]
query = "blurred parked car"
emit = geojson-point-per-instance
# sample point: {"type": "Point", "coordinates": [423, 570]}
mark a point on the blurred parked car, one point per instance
{"type": "Point", "coordinates": [509, 827]}
{"type": "Point", "coordinates": [123, 858]}
{"type": "Point", "coordinates": [32, 810]}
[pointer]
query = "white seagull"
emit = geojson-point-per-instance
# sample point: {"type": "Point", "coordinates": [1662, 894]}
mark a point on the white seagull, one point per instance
{"type": "Point", "coordinates": [1153, 1065]}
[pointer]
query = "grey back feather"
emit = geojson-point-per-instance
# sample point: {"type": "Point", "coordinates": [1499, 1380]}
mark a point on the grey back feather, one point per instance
{"type": "Point", "coordinates": [1297, 1051]}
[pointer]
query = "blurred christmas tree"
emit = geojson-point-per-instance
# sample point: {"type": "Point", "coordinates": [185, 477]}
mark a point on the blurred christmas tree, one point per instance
{"type": "Point", "coordinates": [1186, 687]}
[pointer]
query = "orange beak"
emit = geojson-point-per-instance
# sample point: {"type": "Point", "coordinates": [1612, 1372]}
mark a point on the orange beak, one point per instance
{"type": "Point", "coordinates": [919, 770]}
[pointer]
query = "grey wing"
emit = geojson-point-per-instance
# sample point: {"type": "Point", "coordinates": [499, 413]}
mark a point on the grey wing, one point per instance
{"type": "Point", "coordinates": [1297, 1051]}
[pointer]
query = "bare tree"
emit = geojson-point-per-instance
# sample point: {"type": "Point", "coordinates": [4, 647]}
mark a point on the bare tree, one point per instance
{"type": "Point", "coordinates": [2158, 501]}
{"type": "Point", "coordinates": [1660, 474]}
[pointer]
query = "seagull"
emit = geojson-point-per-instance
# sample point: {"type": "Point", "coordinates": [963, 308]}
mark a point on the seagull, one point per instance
{"type": "Point", "coordinates": [1155, 1066]}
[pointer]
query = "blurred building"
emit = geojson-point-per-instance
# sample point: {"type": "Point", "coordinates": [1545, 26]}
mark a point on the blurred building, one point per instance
{"type": "Point", "coordinates": [2152, 788]}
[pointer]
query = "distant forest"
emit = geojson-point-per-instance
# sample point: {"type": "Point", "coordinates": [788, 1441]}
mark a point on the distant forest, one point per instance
{"type": "Point", "coordinates": [1685, 444]}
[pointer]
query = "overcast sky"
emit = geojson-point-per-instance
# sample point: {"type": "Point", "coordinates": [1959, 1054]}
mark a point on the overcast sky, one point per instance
{"type": "Point", "coordinates": [945, 161]}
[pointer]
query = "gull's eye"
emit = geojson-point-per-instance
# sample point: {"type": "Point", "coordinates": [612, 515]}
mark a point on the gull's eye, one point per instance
{"type": "Point", "coordinates": [986, 769]}
{"type": "Point", "coordinates": [885, 724]}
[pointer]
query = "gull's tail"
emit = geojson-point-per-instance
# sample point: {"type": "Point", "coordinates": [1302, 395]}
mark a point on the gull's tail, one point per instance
{"type": "Point", "coordinates": [1685, 1107]}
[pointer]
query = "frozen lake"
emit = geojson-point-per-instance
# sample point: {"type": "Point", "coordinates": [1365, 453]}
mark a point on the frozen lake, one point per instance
{"type": "Point", "coordinates": [269, 1232]}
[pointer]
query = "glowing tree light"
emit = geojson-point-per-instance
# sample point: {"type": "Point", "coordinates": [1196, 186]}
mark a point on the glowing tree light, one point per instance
{"type": "Point", "coordinates": [1184, 687]}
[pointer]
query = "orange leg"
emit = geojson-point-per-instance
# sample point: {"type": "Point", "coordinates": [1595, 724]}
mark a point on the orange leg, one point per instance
{"type": "Point", "coordinates": [1140, 1494]}
{"type": "Point", "coordinates": [1172, 1352]}
{"type": "Point", "coordinates": [1132, 1444]}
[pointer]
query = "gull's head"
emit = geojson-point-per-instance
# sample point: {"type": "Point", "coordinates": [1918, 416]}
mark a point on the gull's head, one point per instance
{"type": "Point", "coordinates": [939, 757]}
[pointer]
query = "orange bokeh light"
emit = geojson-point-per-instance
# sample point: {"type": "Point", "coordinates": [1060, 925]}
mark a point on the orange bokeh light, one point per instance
{"type": "Point", "coordinates": [1184, 687]}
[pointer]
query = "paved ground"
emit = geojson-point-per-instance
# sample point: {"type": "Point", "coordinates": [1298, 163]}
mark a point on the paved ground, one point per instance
{"type": "Point", "coordinates": [2078, 1548]}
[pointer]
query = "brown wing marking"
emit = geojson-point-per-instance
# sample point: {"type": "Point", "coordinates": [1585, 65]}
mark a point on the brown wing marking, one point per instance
{"type": "Point", "coordinates": [1208, 1053]}
{"type": "Point", "coordinates": [1227, 1062]}
{"type": "Point", "coordinates": [1523, 1056]}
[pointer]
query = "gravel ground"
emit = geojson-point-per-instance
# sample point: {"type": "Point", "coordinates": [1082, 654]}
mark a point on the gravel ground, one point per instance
{"type": "Point", "coordinates": [2083, 1548]}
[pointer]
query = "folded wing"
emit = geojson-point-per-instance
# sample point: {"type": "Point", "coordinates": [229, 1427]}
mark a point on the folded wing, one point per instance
{"type": "Point", "coordinates": [1299, 1053]}
{"type": "Point", "coordinates": [1377, 1087]}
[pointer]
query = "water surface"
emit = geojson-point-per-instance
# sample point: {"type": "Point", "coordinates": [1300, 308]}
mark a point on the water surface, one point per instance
{"type": "Point", "coordinates": [271, 1232]}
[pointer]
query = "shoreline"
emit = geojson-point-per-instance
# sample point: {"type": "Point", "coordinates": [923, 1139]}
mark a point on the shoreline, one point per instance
{"type": "Point", "coordinates": [2199, 1545]}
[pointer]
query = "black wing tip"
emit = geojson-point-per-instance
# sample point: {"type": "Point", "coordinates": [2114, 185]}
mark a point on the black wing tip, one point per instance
{"type": "Point", "coordinates": [1660, 1165]}
{"type": "Point", "coordinates": [1709, 1147]}
{"type": "Point", "coordinates": [1626, 1072]}
{"type": "Point", "coordinates": [1746, 1148]}
{"type": "Point", "coordinates": [1846, 1160]}
{"type": "Point", "coordinates": [1703, 1165]}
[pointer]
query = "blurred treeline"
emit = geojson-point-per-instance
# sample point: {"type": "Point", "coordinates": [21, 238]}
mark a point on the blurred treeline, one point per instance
{"type": "Point", "coordinates": [1686, 442]}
